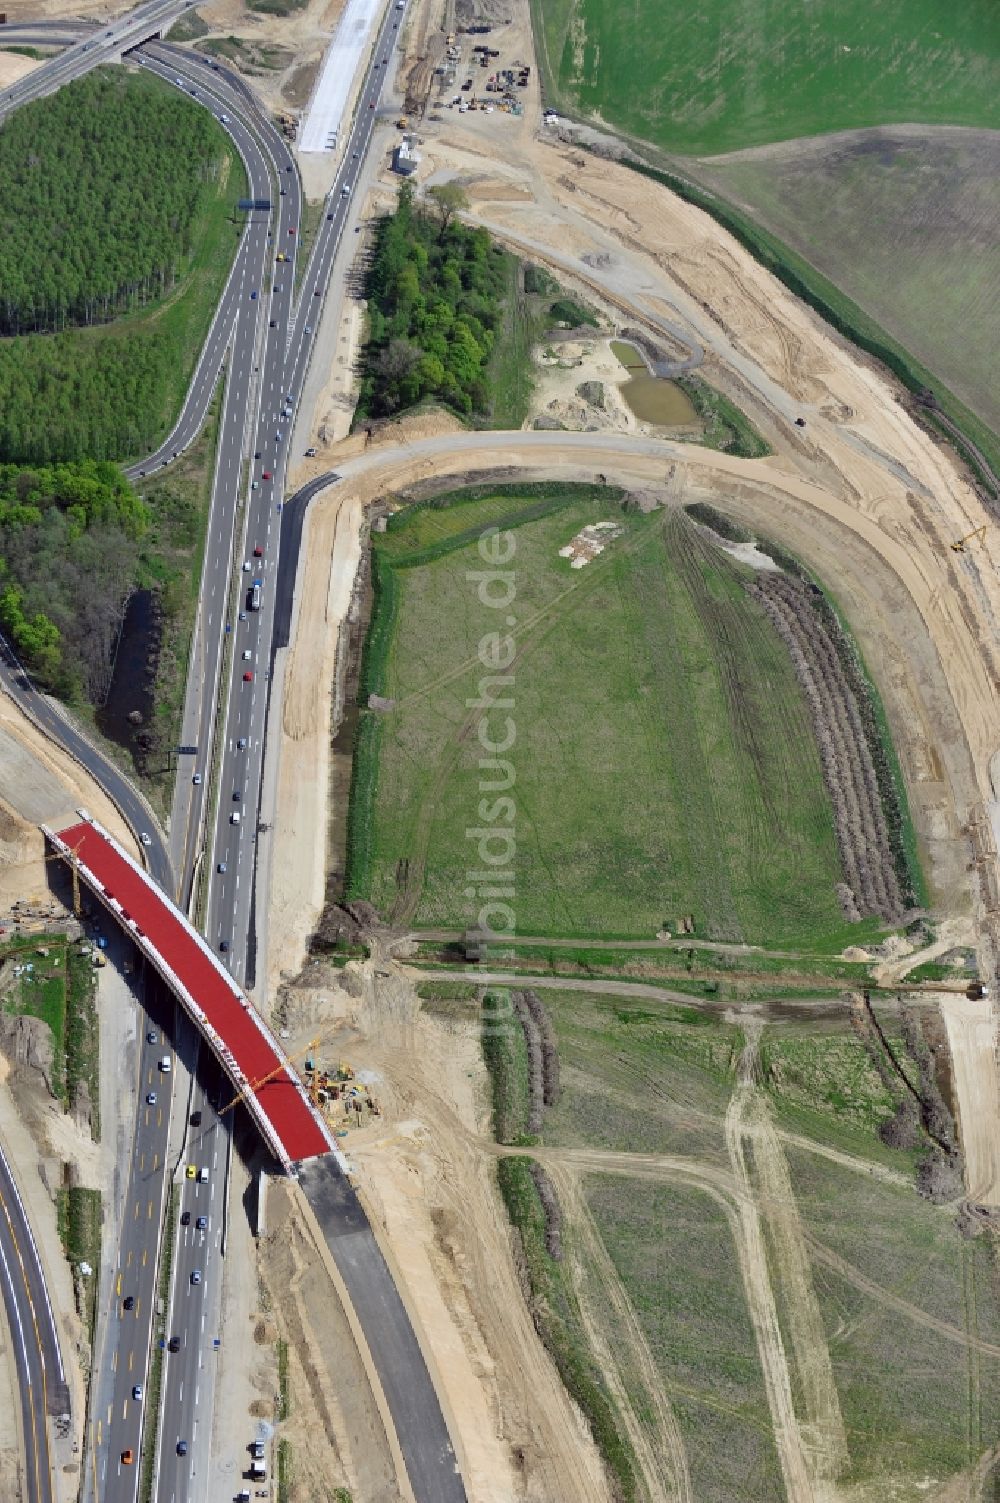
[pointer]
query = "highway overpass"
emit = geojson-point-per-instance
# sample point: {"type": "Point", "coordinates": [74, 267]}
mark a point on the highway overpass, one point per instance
{"type": "Point", "coordinates": [239, 1038]}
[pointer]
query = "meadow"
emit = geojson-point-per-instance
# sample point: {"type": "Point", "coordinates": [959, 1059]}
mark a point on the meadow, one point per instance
{"type": "Point", "coordinates": [934, 196]}
{"type": "Point", "coordinates": [723, 76]}
{"type": "Point", "coordinates": [665, 766]}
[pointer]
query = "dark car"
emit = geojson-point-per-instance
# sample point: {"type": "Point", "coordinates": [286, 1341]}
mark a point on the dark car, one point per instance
{"type": "Point", "coordinates": [273, 324]}
{"type": "Point", "coordinates": [201, 1223]}
{"type": "Point", "coordinates": [224, 946]}
{"type": "Point", "coordinates": [196, 1119]}
{"type": "Point", "coordinates": [182, 1448]}
{"type": "Point", "coordinates": [129, 1302]}
{"type": "Point", "coordinates": [185, 1218]}
{"type": "Point", "coordinates": [174, 1344]}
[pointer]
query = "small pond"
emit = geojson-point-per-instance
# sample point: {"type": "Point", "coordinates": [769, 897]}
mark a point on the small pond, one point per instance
{"type": "Point", "coordinates": [650, 398]}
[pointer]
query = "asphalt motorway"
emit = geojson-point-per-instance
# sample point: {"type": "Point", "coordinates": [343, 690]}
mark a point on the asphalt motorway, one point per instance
{"type": "Point", "coordinates": [119, 1386]}
{"type": "Point", "coordinates": [232, 845]}
{"type": "Point", "coordinates": [50, 717]}
{"type": "Point", "coordinates": [35, 1340]}
{"type": "Point", "coordinates": [103, 47]}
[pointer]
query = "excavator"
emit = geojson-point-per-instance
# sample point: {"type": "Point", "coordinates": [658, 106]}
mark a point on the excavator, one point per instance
{"type": "Point", "coordinates": [978, 533]}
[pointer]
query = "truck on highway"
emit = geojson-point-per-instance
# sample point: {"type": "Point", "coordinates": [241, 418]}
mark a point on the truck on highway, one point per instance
{"type": "Point", "coordinates": [254, 597]}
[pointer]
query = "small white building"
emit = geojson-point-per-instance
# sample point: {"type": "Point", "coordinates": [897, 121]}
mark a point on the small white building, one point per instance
{"type": "Point", "coordinates": [405, 160]}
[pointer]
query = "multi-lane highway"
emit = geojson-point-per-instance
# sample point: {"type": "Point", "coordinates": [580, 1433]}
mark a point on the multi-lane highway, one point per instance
{"type": "Point", "coordinates": [119, 1391]}
{"type": "Point", "coordinates": [262, 337]}
{"type": "Point", "coordinates": [104, 45]}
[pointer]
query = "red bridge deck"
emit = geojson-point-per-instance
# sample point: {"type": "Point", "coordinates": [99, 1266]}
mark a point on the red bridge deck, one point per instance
{"type": "Point", "coordinates": [233, 1028]}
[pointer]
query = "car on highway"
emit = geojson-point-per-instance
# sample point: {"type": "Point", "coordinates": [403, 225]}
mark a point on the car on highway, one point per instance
{"type": "Point", "coordinates": [201, 1223]}
{"type": "Point", "coordinates": [243, 614]}
{"type": "Point", "coordinates": [291, 229]}
{"type": "Point", "coordinates": [237, 796]}
{"type": "Point", "coordinates": [185, 1218]}
{"type": "Point", "coordinates": [224, 946]}
{"type": "Point", "coordinates": [283, 192]}
{"type": "Point", "coordinates": [309, 328]}
{"type": "Point", "coordinates": [196, 1276]}
{"type": "Point", "coordinates": [248, 678]}
{"type": "Point", "coordinates": [221, 868]}
{"type": "Point", "coordinates": [191, 1171]}
{"type": "Point", "coordinates": [241, 744]}
{"type": "Point", "coordinates": [247, 566]}
{"type": "Point", "coordinates": [257, 454]}
{"type": "Point", "coordinates": [137, 1391]}
{"type": "Point", "coordinates": [234, 818]}
{"type": "Point", "coordinates": [174, 1344]}
{"type": "Point", "coordinates": [182, 1448]}
{"type": "Point", "coordinates": [247, 655]}
{"type": "Point", "coordinates": [273, 323]}
{"type": "Point", "coordinates": [329, 217]}
{"type": "Point", "coordinates": [128, 1303]}
{"type": "Point", "coordinates": [203, 1175]}
{"type": "Point", "coordinates": [258, 551]}
{"type": "Point", "coordinates": [196, 780]}
{"type": "Point", "coordinates": [145, 839]}
{"type": "Point", "coordinates": [152, 1037]}
{"type": "Point", "coordinates": [150, 1098]}
{"type": "Point", "coordinates": [318, 292]}
{"type": "Point", "coordinates": [165, 1065]}
{"type": "Point", "coordinates": [265, 474]}
{"type": "Point", "coordinates": [253, 297]}
{"type": "Point", "coordinates": [127, 1458]}
{"type": "Point", "coordinates": [196, 1119]}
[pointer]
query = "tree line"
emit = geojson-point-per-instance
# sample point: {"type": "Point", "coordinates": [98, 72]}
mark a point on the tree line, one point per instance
{"type": "Point", "coordinates": [101, 186]}
{"type": "Point", "coordinates": [70, 538]}
{"type": "Point", "coordinates": [435, 293]}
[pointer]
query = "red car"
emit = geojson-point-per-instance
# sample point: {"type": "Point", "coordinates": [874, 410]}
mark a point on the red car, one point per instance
{"type": "Point", "coordinates": [248, 677]}
{"type": "Point", "coordinates": [292, 230]}
{"type": "Point", "coordinates": [265, 474]}
{"type": "Point", "coordinates": [258, 552]}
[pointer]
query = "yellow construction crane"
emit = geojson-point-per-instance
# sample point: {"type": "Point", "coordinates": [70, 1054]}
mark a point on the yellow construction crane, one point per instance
{"type": "Point", "coordinates": [255, 1085]}
{"type": "Point", "coordinates": [979, 533]}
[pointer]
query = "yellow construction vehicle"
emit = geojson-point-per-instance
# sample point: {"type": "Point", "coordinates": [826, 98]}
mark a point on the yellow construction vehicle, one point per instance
{"type": "Point", "coordinates": [402, 123]}
{"type": "Point", "coordinates": [979, 533]}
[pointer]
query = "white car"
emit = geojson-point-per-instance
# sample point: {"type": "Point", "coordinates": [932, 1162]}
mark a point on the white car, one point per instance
{"type": "Point", "coordinates": [137, 1391]}
{"type": "Point", "coordinates": [247, 655]}
{"type": "Point", "coordinates": [234, 818]}
{"type": "Point", "coordinates": [246, 566]}
{"type": "Point", "coordinates": [145, 839]}
{"type": "Point", "coordinates": [196, 780]}
{"type": "Point", "coordinates": [203, 1176]}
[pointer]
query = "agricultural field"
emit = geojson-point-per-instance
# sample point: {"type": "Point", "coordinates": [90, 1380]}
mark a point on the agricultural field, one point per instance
{"type": "Point", "coordinates": [934, 196]}
{"type": "Point", "coordinates": [652, 660]}
{"type": "Point", "coordinates": [723, 76]}
{"type": "Point", "coordinates": [696, 1169]}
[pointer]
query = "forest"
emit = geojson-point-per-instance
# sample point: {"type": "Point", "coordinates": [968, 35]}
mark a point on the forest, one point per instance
{"type": "Point", "coordinates": [435, 291]}
{"type": "Point", "coordinates": [101, 186]}
{"type": "Point", "coordinates": [70, 538]}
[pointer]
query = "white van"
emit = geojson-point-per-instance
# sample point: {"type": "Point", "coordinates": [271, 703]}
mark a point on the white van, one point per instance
{"type": "Point", "coordinates": [234, 818]}
{"type": "Point", "coordinates": [165, 1066]}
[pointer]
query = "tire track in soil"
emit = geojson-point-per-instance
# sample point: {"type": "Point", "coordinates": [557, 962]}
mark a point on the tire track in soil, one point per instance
{"type": "Point", "coordinates": [658, 1443]}
{"type": "Point", "coordinates": [793, 1453]}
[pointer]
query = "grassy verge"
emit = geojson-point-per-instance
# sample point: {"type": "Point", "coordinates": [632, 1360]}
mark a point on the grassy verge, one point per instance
{"type": "Point", "coordinates": [78, 1216]}
{"type": "Point", "coordinates": [506, 1056]}
{"type": "Point", "coordinates": [313, 213]}
{"type": "Point", "coordinates": [284, 1401]}
{"type": "Point", "coordinates": [556, 1316]}
{"type": "Point", "coordinates": [510, 372]}
{"type": "Point", "coordinates": [833, 305]}
{"type": "Point", "coordinates": [285, 1471]}
{"type": "Point", "coordinates": [725, 426]}
{"type": "Point", "coordinates": [83, 1039]}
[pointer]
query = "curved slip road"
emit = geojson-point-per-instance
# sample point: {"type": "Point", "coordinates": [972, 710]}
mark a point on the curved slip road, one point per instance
{"type": "Point", "coordinates": [44, 1391]}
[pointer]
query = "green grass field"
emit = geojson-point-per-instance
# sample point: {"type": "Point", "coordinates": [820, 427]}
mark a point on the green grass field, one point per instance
{"type": "Point", "coordinates": [673, 1251]}
{"type": "Point", "coordinates": [638, 1079]}
{"type": "Point", "coordinates": [664, 759]}
{"type": "Point", "coordinates": [724, 75]}
{"type": "Point", "coordinates": [934, 197]}
{"type": "Point", "coordinates": [915, 1404]}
